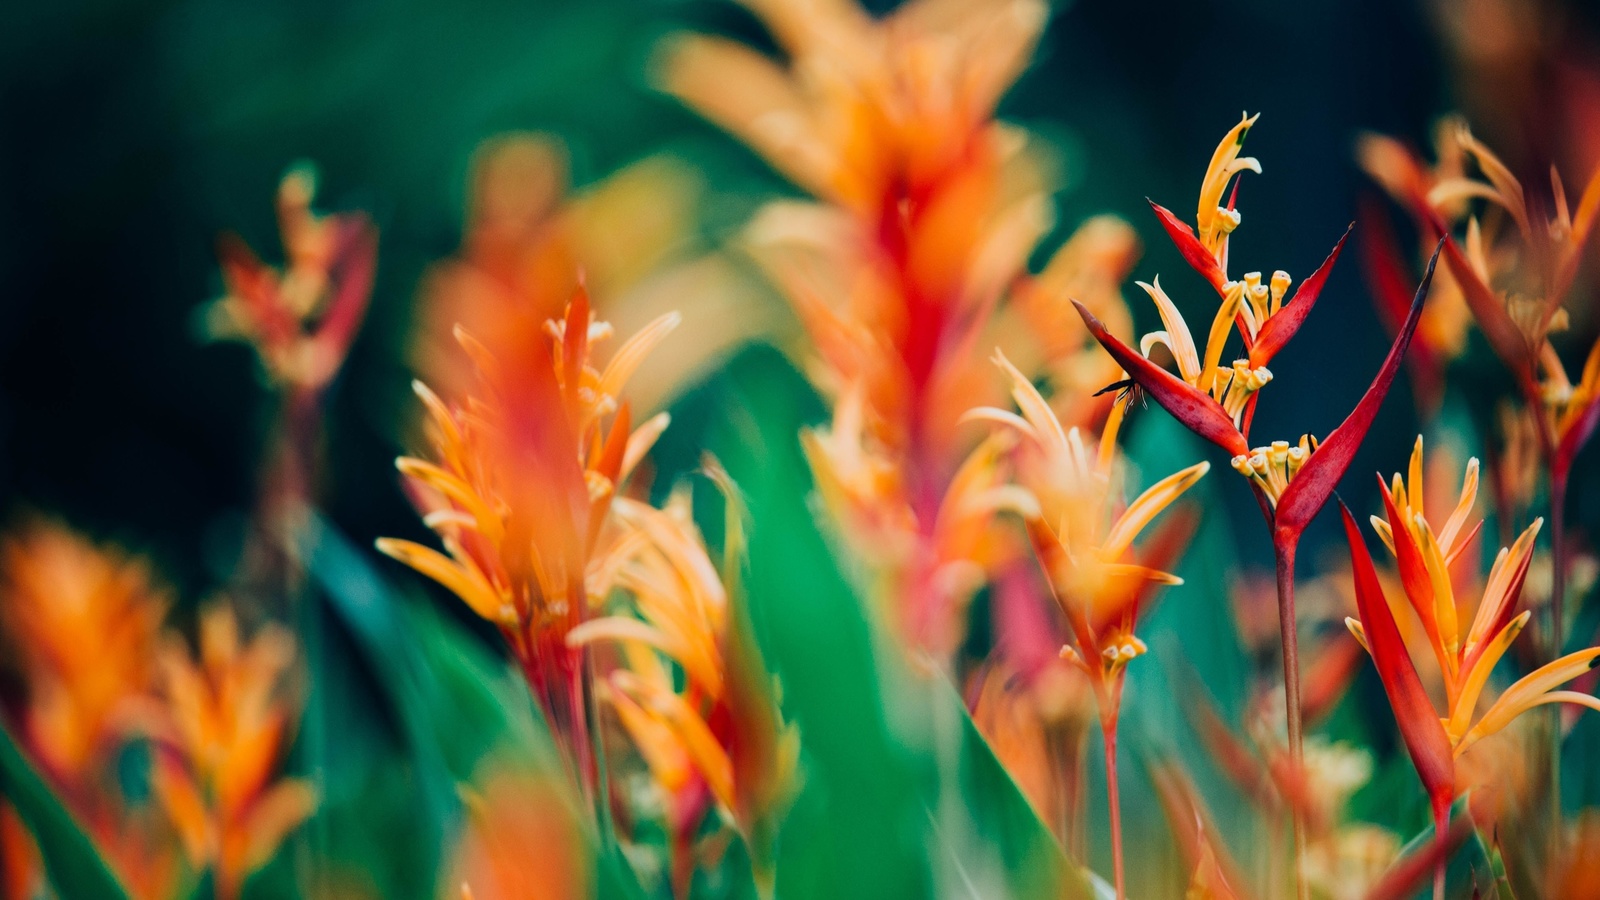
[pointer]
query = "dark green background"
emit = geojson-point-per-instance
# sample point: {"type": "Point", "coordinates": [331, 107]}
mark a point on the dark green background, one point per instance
{"type": "Point", "coordinates": [134, 132]}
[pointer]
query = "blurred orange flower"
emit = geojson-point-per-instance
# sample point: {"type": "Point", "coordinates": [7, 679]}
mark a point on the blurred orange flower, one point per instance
{"type": "Point", "coordinates": [720, 735]}
{"type": "Point", "coordinates": [520, 492]}
{"type": "Point", "coordinates": [913, 258]}
{"type": "Point", "coordinates": [522, 839]}
{"type": "Point", "coordinates": [300, 319]}
{"type": "Point", "coordinates": [85, 621]}
{"type": "Point", "coordinates": [221, 732]}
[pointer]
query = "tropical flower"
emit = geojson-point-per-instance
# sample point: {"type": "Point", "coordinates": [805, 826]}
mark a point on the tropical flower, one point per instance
{"type": "Point", "coordinates": [530, 236]}
{"type": "Point", "coordinates": [220, 735]}
{"type": "Point", "coordinates": [716, 735]}
{"type": "Point", "coordinates": [928, 209]}
{"type": "Point", "coordinates": [1467, 653]}
{"type": "Point", "coordinates": [1291, 483]}
{"type": "Point", "coordinates": [520, 491]}
{"type": "Point", "coordinates": [1514, 269]}
{"type": "Point", "coordinates": [1083, 537]}
{"type": "Point", "coordinates": [83, 621]}
{"type": "Point", "coordinates": [1070, 500]}
{"type": "Point", "coordinates": [302, 318]}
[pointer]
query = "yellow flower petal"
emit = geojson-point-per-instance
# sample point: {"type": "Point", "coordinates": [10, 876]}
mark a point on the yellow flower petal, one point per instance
{"type": "Point", "coordinates": [469, 586]}
{"type": "Point", "coordinates": [1527, 693]}
{"type": "Point", "coordinates": [1472, 686]}
{"type": "Point", "coordinates": [1144, 509]}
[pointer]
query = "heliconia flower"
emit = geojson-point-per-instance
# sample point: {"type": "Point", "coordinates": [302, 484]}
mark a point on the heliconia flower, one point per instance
{"type": "Point", "coordinates": [301, 319]}
{"type": "Point", "coordinates": [84, 620]}
{"type": "Point", "coordinates": [912, 258]}
{"type": "Point", "coordinates": [1266, 314]}
{"type": "Point", "coordinates": [1516, 280]}
{"type": "Point", "coordinates": [1467, 658]}
{"type": "Point", "coordinates": [521, 485]}
{"type": "Point", "coordinates": [720, 736]}
{"type": "Point", "coordinates": [224, 726]}
{"type": "Point", "coordinates": [1083, 535]}
{"type": "Point", "coordinates": [1296, 481]}
{"type": "Point", "coordinates": [1070, 503]}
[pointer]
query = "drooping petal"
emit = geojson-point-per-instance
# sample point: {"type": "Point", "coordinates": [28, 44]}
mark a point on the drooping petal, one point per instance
{"type": "Point", "coordinates": [1424, 736]}
{"type": "Point", "coordinates": [1178, 338]}
{"type": "Point", "coordinates": [1194, 408]}
{"type": "Point", "coordinates": [1314, 484]}
{"type": "Point", "coordinates": [1282, 325]}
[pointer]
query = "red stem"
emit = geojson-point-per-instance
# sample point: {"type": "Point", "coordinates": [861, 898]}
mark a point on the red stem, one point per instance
{"type": "Point", "coordinates": [1108, 730]}
{"type": "Point", "coordinates": [1284, 549]}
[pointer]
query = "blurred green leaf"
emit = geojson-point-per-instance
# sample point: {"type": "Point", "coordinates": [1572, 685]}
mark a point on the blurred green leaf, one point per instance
{"type": "Point", "coordinates": [73, 865]}
{"type": "Point", "coordinates": [890, 758]}
{"type": "Point", "coordinates": [455, 702]}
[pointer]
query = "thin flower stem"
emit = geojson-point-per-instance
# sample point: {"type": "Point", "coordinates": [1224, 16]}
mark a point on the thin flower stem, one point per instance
{"type": "Point", "coordinates": [1558, 560]}
{"type": "Point", "coordinates": [1284, 549]}
{"type": "Point", "coordinates": [1114, 800]}
{"type": "Point", "coordinates": [1558, 589]}
{"type": "Point", "coordinates": [1441, 822]}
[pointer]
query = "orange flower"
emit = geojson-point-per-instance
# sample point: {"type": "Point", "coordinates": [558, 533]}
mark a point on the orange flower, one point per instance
{"type": "Point", "coordinates": [928, 211]}
{"type": "Point", "coordinates": [520, 492]}
{"type": "Point", "coordinates": [530, 236]}
{"type": "Point", "coordinates": [521, 839]}
{"type": "Point", "coordinates": [1514, 269]}
{"type": "Point", "coordinates": [84, 621]}
{"type": "Point", "coordinates": [223, 729]}
{"type": "Point", "coordinates": [715, 733]}
{"type": "Point", "coordinates": [301, 319]}
{"type": "Point", "coordinates": [1467, 653]}
{"type": "Point", "coordinates": [1082, 532]}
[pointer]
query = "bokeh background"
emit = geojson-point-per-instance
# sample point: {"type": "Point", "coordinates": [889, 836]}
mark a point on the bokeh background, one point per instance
{"type": "Point", "coordinates": [136, 132]}
{"type": "Point", "coordinates": [139, 131]}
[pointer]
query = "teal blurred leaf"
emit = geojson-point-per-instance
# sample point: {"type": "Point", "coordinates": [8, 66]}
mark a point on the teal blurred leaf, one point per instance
{"type": "Point", "coordinates": [73, 865]}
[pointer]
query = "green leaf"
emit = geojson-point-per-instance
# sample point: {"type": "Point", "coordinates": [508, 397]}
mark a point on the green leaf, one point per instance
{"type": "Point", "coordinates": [455, 703]}
{"type": "Point", "coordinates": [901, 796]}
{"type": "Point", "coordinates": [75, 868]}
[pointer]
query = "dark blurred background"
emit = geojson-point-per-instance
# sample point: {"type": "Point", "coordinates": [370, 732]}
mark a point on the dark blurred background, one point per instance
{"type": "Point", "coordinates": [136, 132]}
